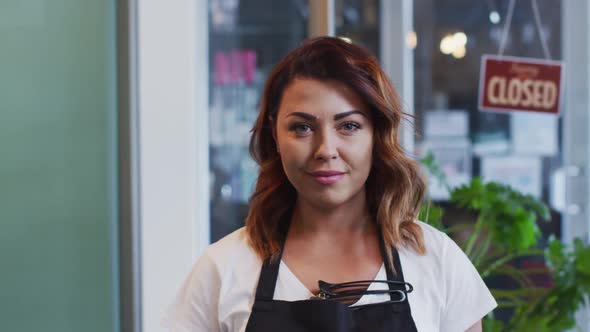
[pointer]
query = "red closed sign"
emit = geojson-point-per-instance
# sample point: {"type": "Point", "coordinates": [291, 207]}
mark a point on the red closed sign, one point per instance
{"type": "Point", "coordinates": [520, 84]}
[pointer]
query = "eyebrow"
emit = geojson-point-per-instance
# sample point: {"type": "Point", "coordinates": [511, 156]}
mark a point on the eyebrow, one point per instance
{"type": "Point", "coordinates": [337, 117]}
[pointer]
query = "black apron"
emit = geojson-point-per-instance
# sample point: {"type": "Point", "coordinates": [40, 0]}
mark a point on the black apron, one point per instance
{"type": "Point", "coordinates": [321, 315]}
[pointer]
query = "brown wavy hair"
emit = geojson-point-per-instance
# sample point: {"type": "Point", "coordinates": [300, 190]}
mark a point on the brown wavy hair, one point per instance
{"type": "Point", "coordinates": [394, 187]}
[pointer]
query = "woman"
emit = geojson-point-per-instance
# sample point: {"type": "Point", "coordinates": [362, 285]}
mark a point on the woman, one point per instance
{"type": "Point", "coordinates": [336, 200]}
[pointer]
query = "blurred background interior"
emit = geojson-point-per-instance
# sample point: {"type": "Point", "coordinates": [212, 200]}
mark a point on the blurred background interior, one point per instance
{"type": "Point", "coordinates": [124, 131]}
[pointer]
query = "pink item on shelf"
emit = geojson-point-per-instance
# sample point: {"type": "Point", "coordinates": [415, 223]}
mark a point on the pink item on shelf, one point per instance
{"type": "Point", "coordinates": [221, 69]}
{"type": "Point", "coordinates": [249, 65]}
{"type": "Point", "coordinates": [236, 67]}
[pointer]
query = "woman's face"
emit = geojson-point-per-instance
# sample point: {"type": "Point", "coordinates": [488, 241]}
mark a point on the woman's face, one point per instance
{"type": "Point", "coordinates": [324, 135]}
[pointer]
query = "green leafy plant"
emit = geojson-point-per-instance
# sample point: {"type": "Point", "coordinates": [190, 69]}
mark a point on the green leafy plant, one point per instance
{"type": "Point", "coordinates": [506, 228]}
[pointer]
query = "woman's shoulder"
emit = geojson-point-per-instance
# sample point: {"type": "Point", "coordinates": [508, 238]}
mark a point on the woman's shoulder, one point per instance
{"type": "Point", "coordinates": [440, 248]}
{"type": "Point", "coordinates": [222, 263]}
{"type": "Point", "coordinates": [234, 240]}
{"type": "Point", "coordinates": [233, 250]}
{"type": "Point", "coordinates": [435, 240]}
{"type": "Point", "coordinates": [444, 258]}
{"type": "Point", "coordinates": [445, 270]}
{"type": "Point", "coordinates": [216, 285]}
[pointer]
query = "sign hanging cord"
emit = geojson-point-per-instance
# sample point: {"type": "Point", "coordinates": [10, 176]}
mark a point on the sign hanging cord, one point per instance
{"type": "Point", "coordinates": [506, 30]}
{"type": "Point", "coordinates": [540, 29]}
{"type": "Point", "coordinates": [504, 39]}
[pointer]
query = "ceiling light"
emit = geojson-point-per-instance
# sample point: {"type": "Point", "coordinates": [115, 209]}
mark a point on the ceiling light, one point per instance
{"type": "Point", "coordinates": [460, 38]}
{"type": "Point", "coordinates": [459, 52]}
{"type": "Point", "coordinates": [447, 45]}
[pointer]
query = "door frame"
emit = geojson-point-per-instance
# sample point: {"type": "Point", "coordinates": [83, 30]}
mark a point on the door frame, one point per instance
{"type": "Point", "coordinates": [575, 128]}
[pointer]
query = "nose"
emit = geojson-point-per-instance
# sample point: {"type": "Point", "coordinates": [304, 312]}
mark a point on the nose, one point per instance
{"type": "Point", "coordinates": [326, 147]}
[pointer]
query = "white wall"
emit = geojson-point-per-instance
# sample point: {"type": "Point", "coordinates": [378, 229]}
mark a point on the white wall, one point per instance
{"type": "Point", "coordinates": [398, 59]}
{"type": "Point", "coordinates": [173, 62]}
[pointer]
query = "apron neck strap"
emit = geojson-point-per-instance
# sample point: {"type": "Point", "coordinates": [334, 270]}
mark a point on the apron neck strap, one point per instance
{"type": "Point", "coordinates": [268, 279]}
{"type": "Point", "coordinates": [395, 273]}
{"type": "Point", "coordinates": [270, 267]}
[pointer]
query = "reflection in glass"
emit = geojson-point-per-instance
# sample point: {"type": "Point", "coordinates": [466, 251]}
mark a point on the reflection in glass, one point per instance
{"type": "Point", "coordinates": [358, 20]}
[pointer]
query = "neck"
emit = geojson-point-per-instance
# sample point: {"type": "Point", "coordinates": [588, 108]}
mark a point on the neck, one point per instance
{"type": "Point", "coordinates": [349, 219]}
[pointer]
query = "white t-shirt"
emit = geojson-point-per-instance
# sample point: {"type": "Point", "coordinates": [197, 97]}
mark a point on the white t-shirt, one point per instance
{"type": "Point", "coordinates": [449, 295]}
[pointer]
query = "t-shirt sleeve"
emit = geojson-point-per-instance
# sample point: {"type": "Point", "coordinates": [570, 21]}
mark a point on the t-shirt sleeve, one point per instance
{"type": "Point", "coordinates": [467, 298]}
{"type": "Point", "coordinates": [196, 304]}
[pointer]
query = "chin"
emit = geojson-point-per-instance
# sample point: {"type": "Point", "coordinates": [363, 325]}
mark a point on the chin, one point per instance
{"type": "Point", "coordinates": [327, 202]}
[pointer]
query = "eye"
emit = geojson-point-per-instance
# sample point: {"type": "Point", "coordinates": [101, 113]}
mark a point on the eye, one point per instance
{"type": "Point", "coordinates": [350, 127]}
{"type": "Point", "coordinates": [300, 128]}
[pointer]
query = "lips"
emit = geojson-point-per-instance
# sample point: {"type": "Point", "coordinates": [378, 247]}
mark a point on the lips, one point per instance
{"type": "Point", "coordinates": [326, 173]}
{"type": "Point", "coordinates": [327, 177]}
